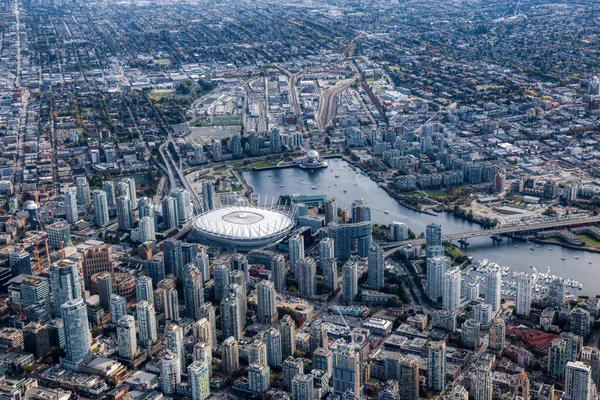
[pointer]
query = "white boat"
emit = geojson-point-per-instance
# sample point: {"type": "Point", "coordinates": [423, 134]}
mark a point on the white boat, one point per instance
{"type": "Point", "coordinates": [516, 246]}
{"type": "Point", "coordinates": [269, 175]}
{"type": "Point", "coordinates": [280, 185]}
{"type": "Point", "coordinates": [576, 257]}
{"type": "Point", "coordinates": [337, 176]}
{"type": "Point", "coordinates": [562, 258]}
{"type": "Point", "coordinates": [345, 190]}
{"type": "Point", "coordinates": [386, 212]}
{"type": "Point", "coordinates": [313, 187]}
{"type": "Point", "coordinates": [531, 248]}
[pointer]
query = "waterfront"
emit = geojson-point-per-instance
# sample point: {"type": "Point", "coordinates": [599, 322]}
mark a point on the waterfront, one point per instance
{"type": "Point", "coordinates": [357, 185]}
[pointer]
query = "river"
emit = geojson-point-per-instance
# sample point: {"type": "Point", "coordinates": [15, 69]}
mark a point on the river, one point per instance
{"type": "Point", "coordinates": [357, 185]}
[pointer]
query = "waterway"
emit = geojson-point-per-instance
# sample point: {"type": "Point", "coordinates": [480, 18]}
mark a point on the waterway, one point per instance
{"type": "Point", "coordinates": [358, 185]}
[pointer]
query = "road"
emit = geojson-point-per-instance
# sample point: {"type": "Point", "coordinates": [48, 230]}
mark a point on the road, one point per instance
{"type": "Point", "coordinates": [169, 160]}
{"type": "Point", "coordinates": [328, 102]}
{"type": "Point", "coordinates": [392, 247]}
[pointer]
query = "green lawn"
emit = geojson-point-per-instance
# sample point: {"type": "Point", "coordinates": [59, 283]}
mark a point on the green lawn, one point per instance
{"type": "Point", "coordinates": [590, 241]}
{"type": "Point", "coordinates": [261, 165]}
{"type": "Point", "coordinates": [227, 120]}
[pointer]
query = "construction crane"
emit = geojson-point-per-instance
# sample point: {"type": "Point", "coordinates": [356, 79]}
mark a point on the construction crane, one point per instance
{"type": "Point", "coordinates": [19, 313]}
{"type": "Point", "coordinates": [346, 323]}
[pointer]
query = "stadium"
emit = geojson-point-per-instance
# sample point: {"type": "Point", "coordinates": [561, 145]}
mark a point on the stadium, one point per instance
{"type": "Point", "coordinates": [241, 227]}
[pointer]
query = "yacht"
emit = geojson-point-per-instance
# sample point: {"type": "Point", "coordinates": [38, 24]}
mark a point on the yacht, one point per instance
{"type": "Point", "coordinates": [562, 258]}
{"type": "Point", "coordinates": [576, 257]}
{"type": "Point", "coordinates": [280, 185]}
{"type": "Point", "coordinates": [269, 175]}
{"type": "Point", "coordinates": [313, 187]}
{"type": "Point", "coordinates": [345, 190]}
{"type": "Point", "coordinates": [386, 212]}
{"type": "Point", "coordinates": [531, 248]}
{"type": "Point", "coordinates": [337, 176]}
{"type": "Point", "coordinates": [516, 246]}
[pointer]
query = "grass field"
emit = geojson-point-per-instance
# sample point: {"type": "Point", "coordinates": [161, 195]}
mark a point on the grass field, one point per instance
{"type": "Point", "coordinates": [261, 164]}
{"type": "Point", "coordinates": [159, 94]}
{"type": "Point", "coordinates": [163, 61]}
{"type": "Point", "coordinates": [590, 241]}
{"type": "Point", "coordinates": [227, 120]}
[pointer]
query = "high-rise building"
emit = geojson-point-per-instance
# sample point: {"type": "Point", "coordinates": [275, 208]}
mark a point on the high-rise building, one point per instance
{"type": "Point", "coordinates": [578, 382]}
{"type": "Point", "coordinates": [170, 214]}
{"type": "Point", "coordinates": [497, 335]}
{"type": "Point", "coordinates": [20, 263]}
{"type": "Point", "coordinates": [306, 274]}
{"type": "Point", "coordinates": [556, 293]}
{"type": "Point", "coordinates": [524, 294]}
{"type": "Point", "coordinates": [398, 231]}
{"type": "Point", "coordinates": [287, 328]}
{"type": "Point", "coordinates": [471, 334]}
{"type": "Point", "coordinates": [174, 342]}
{"type": "Point", "coordinates": [436, 267]}
{"type": "Point", "coordinates": [59, 234]}
{"type": "Point", "coordinates": [105, 289]}
{"type": "Point", "coordinates": [323, 359]}
{"type": "Point", "coordinates": [235, 146]}
{"type": "Point", "coordinates": [146, 317]}
{"type": "Point", "coordinates": [291, 367]}
{"type": "Point", "coordinates": [96, 259]}
{"type": "Point", "coordinates": [375, 271]}
{"type": "Point", "coordinates": [207, 310]}
{"type": "Point", "coordinates": [203, 331]}
{"type": "Point", "coordinates": [296, 244]}
{"type": "Point", "coordinates": [170, 373]}
{"type": "Point", "coordinates": [232, 319]}
{"type": "Point", "coordinates": [36, 340]}
{"type": "Point", "coordinates": [257, 352]}
{"type": "Point", "coordinates": [451, 283]}
{"type": "Point", "coordinates": [199, 380]}
{"type": "Point", "coordinates": [349, 281]}
{"type": "Point", "coordinates": [185, 208]}
{"type": "Point", "coordinates": [278, 272]}
{"type": "Point", "coordinates": [193, 291]}
{"type": "Point", "coordinates": [303, 387]}
{"type": "Point", "coordinates": [146, 230]}
{"type": "Point", "coordinates": [483, 382]}
{"type": "Point", "coordinates": [239, 262]}
{"type": "Point", "coordinates": [170, 300]}
{"type": "Point", "coordinates": [275, 140]}
{"type": "Point", "coordinates": [258, 378]}
{"type": "Point", "coordinates": [202, 263]}
{"type": "Point", "coordinates": [83, 191]}
{"type": "Point", "coordinates": [330, 273]}
{"type": "Point", "coordinates": [70, 201]}
{"type": "Point", "coordinates": [521, 390]}
{"type": "Point", "coordinates": [221, 274]}
{"type": "Point", "coordinates": [143, 288]}
{"type": "Point", "coordinates": [124, 213]}
{"type": "Point", "coordinates": [360, 211]}
{"type": "Point", "coordinates": [202, 352]}
{"type": "Point", "coordinates": [65, 281]}
{"type": "Point", "coordinates": [126, 337]}
{"type": "Point", "coordinates": [155, 268]}
{"type": "Point", "coordinates": [346, 370]}
{"type": "Point", "coordinates": [580, 322]}
{"type": "Point", "coordinates": [272, 339]}
{"type": "Point", "coordinates": [436, 367]}
{"type": "Point", "coordinates": [562, 350]}
{"type": "Point", "coordinates": [326, 250]}
{"type": "Point", "coordinates": [318, 336]}
{"type": "Point", "coordinates": [118, 308]}
{"type": "Point", "coordinates": [459, 393]}
{"type": "Point", "coordinates": [208, 201]}
{"type": "Point", "coordinates": [100, 208]}
{"type": "Point", "coordinates": [27, 290]}
{"type": "Point", "coordinates": [267, 302]}
{"type": "Point", "coordinates": [173, 257]}
{"type": "Point", "coordinates": [331, 211]}
{"type": "Point", "coordinates": [230, 355]}
{"type": "Point", "coordinates": [433, 235]}
{"type": "Point", "coordinates": [78, 338]}
{"type": "Point", "coordinates": [591, 356]}
{"type": "Point", "coordinates": [108, 187]}
{"type": "Point", "coordinates": [493, 289]}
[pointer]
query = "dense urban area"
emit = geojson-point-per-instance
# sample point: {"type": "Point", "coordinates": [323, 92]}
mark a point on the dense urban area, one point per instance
{"type": "Point", "coordinates": [336, 199]}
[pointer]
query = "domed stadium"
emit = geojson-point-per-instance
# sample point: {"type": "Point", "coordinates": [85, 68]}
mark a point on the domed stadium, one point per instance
{"type": "Point", "coordinates": [241, 227]}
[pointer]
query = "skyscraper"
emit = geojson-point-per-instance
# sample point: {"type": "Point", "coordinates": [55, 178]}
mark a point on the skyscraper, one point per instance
{"type": "Point", "coordinates": [77, 333]}
{"type": "Point", "coordinates": [291, 367]}
{"type": "Point", "coordinates": [199, 380]}
{"type": "Point", "coordinates": [100, 208]}
{"type": "Point", "coordinates": [493, 293]}
{"type": "Point", "coordinates": [173, 257]}
{"type": "Point", "coordinates": [360, 211]}
{"type": "Point", "coordinates": [433, 235]}
{"type": "Point", "coordinates": [278, 272]}
{"type": "Point", "coordinates": [96, 259]}
{"type": "Point", "coordinates": [326, 250]}
{"type": "Point", "coordinates": [287, 328]}
{"type": "Point", "coordinates": [303, 387]}
{"type": "Point", "coordinates": [275, 140]}
{"type": "Point", "coordinates": [556, 293]}
{"type": "Point", "coordinates": [126, 337]}
{"type": "Point", "coordinates": [350, 281]}
{"type": "Point", "coordinates": [185, 209]}
{"type": "Point", "coordinates": [436, 267]}
{"type": "Point", "coordinates": [203, 352]}
{"type": "Point", "coordinates": [436, 367]}
{"type": "Point", "coordinates": [203, 331]}
{"type": "Point", "coordinates": [375, 277]}
{"type": "Point", "coordinates": [330, 273]}
{"type": "Point", "coordinates": [131, 190]}
{"type": "Point", "coordinates": [296, 244]}
{"type": "Point", "coordinates": [143, 288]}
{"type": "Point", "coordinates": [451, 284]}
{"type": "Point", "coordinates": [497, 335]}
{"type": "Point", "coordinates": [239, 262]}
{"type": "Point", "coordinates": [581, 321]}
{"type": "Point", "coordinates": [318, 336]}
{"type": "Point", "coordinates": [257, 352]}
{"type": "Point", "coordinates": [307, 277]}
{"type": "Point", "coordinates": [221, 279]}
{"type": "Point", "coordinates": [230, 355]}
{"type": "Point", "coordinates": [202, 263]}
{"type": "Point", "coordinates": [65, 282]}
{"type": "Point", "coordinates": [193, 291]}
{"type": "Point", "coordinates": [174, 342]}
{"type": "Point", "coordinates": [118, 308]}
{"type": "Point", "coordinates": [155, 268]}
{"type": "Point", "coordinates": [272, 339]}
{"type": "Point", "coordinates": [208, 202]}
{"type": "Point", "coordinates": [408, 378]}
{"type": "Point", "coordinates": [147, 229]}
{"type": "Point", "coordinates": [483, 382]}
{"type": "Point", "coordinates": [258, 378]}
{"type": "Point", "coordinates": [83, 191]}
{"type": "Point", "coordinates": [331, 211]}
{"type": "Point", "coordinates": [346, 370]}
{"type": "Point", "coordinates": [124, 213]}
{"type": "Point", "coordinates": [524, 294]}
{"type": "Point", "coordinates": [169, 213]}
{"type": "Point", "coordinates": [170, 373]}
{"type": "Point", "coordinates": [267, 299]}
{"type": "Point", "coordinates": [207, 310]}
{"type": "Point", "coordinates": [232, 319]}
{"type": "Point", "coordinates": [71, 213]}
{"type": "Point", "coordinates": [108, 187]}
{"type": "Point", "coordinates": [20, 263]}
{"type": "Point", "coordinates": [578, 382]}
{"type": "Point", "coordinates": [146, 317]}
{"type": "Point", "coordinates": [521, 387]}
{"type": "Point", "coordinates": [471, 334]}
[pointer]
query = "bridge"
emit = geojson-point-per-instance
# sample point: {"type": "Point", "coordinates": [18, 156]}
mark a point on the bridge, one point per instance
{"type": "Point", "coordinates": [390, 248]}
